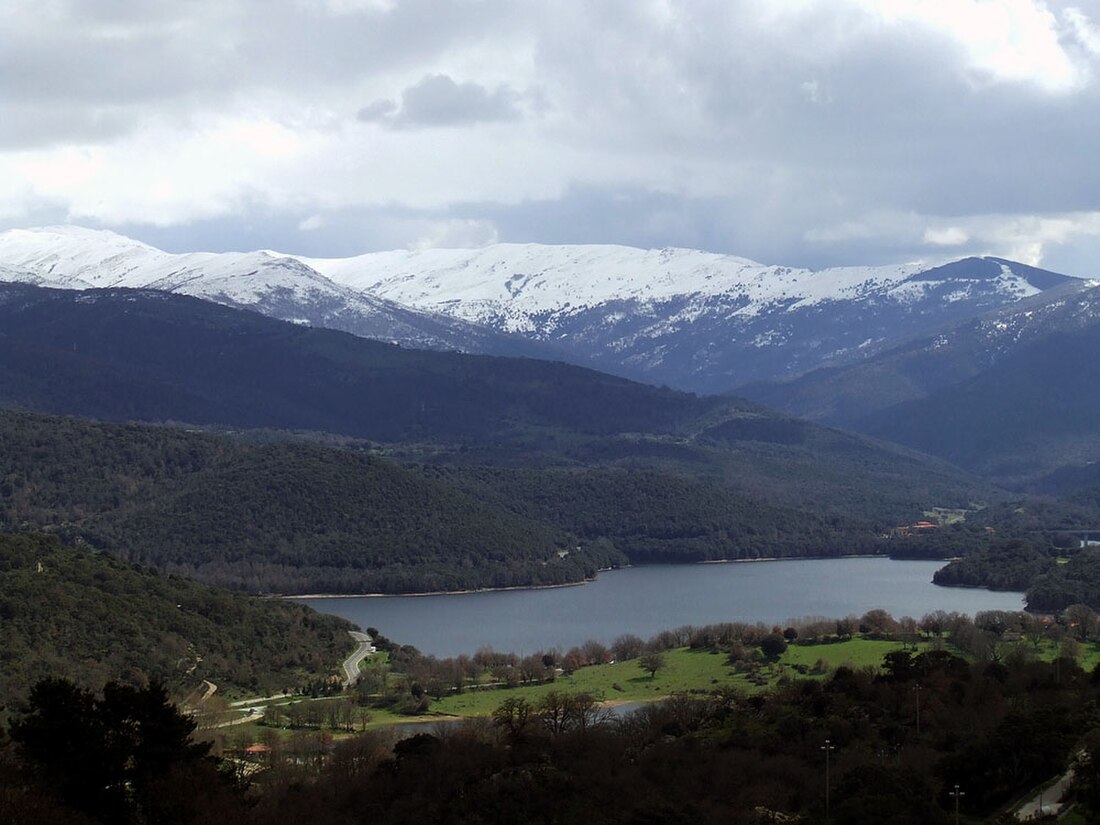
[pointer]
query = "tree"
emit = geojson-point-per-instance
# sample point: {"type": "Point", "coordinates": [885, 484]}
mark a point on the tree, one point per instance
{"type": "Point", "coordinates": [1070, 649]}
{"type": "Point", "coordinates": [1081, 620]}
{"type": "Point", "coordinates": [898, 665]}
{"type": "Point", "coordinates": [627, 646]}
{"type": "Point", "coordinates": [773, 646]}
{"type": "Point", "coordinates": [108, 757]}
{"type": "Point", "coordinates": [651, 662]}
{"type": "Point", "coordinates": [514, 716]}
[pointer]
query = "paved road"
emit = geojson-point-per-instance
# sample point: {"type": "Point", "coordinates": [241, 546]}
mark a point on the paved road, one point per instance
{"type": "Point", "coordinates": [351, 664]}
{"type": "Point", "coordinates": [257, 705]}
{"type": "Point", "coordinates": [1050, 800]}
{"type": "Point", "coordinates": [255, 700]}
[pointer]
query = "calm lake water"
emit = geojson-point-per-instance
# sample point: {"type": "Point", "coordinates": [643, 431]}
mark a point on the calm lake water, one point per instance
{"type": "Point", "coordinates": [646, 600]}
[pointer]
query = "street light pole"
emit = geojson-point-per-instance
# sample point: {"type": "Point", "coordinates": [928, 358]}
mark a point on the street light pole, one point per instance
{"type": "Point", "coordinates": [827, 747]}
{"type": "Point", "coordinates": [956, 793]}
{"type": "Point", "coordinates": [916, 691]}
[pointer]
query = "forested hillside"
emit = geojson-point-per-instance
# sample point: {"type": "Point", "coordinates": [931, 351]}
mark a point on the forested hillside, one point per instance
{"type": "Point", "coordinates": [1032, 545]}
{"type": "Point", "coordinates": [142, 355]}
{"type": "Point", "coordinates": [893, 740]}
{"type": "Point", "coordinates": [290, 517]}
{"type": "Point", "coordinates": [145, 355]}
{"type": "Point", "coordinates": [654, 518]}
{"type": "Point", "coordinates": [91, 618]}
{"type": "Point", "coordinates": [282, 517]}
{"type": "Point", "coordinates": [1027, 415]}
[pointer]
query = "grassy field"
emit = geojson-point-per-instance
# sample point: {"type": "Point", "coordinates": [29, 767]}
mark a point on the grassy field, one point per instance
{"type": "Point", "coordinates": [685, 671]}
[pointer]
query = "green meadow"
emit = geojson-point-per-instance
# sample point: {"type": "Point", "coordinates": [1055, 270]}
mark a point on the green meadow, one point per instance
{"type": "Point", "coordinates": [685, 671]}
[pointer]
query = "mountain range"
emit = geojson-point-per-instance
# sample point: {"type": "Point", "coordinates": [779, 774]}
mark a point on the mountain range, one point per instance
{"type": "Point", "coordinates": [335, 463]}
{"type": "Point", "coordinates": [692, 320]}
{"type": "Point", "coordinates": [1011, 394]}
{"type": "Point", "coordinates": [143, 355]}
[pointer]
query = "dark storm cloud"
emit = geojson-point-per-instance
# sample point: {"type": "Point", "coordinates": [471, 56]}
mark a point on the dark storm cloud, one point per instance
{"type": "Point", "coordinates": [438, 101]}
{"type": "Point", "coordinates": [109, 67]}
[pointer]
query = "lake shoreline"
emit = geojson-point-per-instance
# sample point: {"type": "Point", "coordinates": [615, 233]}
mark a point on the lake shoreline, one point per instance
{"type": "Point", "coordinates": [581, 583]}
{"type": "Point", "coordinates": [646, 599]}
{"type": "Point", "coordinates": [437, 592]}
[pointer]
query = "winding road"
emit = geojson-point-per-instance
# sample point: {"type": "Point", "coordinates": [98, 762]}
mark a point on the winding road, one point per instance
{"type": "Point", "coordinates": [351, 664]}
{"type": "Point", "coordinates": [1048, 801]}
{"type": "Point", "coordinates": [257, 705]}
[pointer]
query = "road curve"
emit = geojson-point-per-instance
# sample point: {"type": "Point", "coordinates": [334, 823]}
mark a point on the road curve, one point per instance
{"type": "Point", "coordinates": [1048, 801]}
{"type": "Point", "coordinates": [351, 664]}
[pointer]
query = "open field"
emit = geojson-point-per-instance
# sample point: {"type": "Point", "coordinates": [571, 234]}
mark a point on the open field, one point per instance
{"type": "Point", "coordinates": [685, 671]}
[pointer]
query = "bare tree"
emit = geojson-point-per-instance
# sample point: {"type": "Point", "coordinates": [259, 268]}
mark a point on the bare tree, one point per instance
{"type": "Point", "coordinates": [651, 662]}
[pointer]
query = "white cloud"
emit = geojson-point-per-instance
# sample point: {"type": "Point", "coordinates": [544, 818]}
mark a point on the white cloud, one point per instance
{"type": "Point", "coordinates": [947, 236]}
{"type": "Point", "coordinates": [817, 132]}
{"type": "Point", "coordinates": [163, 177]}
{"type": "Point", "coordinates": [1027, 238]}
{"type": "Point", "coordinates": [360, 6]}
{"type": "Point", "coordinates": [1085, 30]}
{"type": "Point", "coordinates": [458, 234]}
{"type": "Point", "coordinates": [1011, 40]}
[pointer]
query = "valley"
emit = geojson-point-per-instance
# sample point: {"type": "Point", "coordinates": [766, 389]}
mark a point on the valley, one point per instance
{"type": "Point", "coordinates": [465, 412]}
{"type": "Point", "coordinates": [169, 459]}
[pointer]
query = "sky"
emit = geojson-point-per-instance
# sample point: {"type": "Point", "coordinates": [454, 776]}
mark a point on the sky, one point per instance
{"type": "Point", "coordinates": [809, 133]}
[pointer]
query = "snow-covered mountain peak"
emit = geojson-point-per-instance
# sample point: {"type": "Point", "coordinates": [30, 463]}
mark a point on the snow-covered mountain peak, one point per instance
{"type": "Point", "coordinates": [272, 283]}
{"type": "Point", "coordinates": [534, 277]}
{"type": "Point", "coordinates": [698, 320]}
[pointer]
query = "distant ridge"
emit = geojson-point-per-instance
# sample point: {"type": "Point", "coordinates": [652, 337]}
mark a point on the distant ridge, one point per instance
{"type": "Point", "coordinates": [72, 257]}
{"type": "Point", "coordinates": [1011, 395]}
{"type": "Point", "coordinates": [693, 320]}
{"type": "Point", "coordinates": [142, 355]}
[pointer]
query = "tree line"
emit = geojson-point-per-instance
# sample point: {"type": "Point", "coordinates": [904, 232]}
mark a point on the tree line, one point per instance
{"type": "Point", "coordinates": [902, 738]}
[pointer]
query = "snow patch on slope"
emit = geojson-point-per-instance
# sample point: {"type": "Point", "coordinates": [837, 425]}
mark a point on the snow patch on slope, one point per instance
{"type": "Point", "coordinates": [514, 282]}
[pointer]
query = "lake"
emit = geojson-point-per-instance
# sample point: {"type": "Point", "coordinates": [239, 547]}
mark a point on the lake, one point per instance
{"type": "Point", "coordinates": [646, 600]}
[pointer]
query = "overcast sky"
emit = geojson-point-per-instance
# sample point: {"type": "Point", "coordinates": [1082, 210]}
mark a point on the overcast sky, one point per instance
{"type": "Point", "coordinates": [802, 132]}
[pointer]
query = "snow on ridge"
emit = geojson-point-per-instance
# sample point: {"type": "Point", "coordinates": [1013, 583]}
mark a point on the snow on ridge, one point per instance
{"type": "Point", "coordinates": [79, 258]}
{"type": "Point", "coordinates": [531, 278]}
{"type": "Point", "coordinates": [275, 284]}
{"type": "Point", "coordinates": [520, 288]}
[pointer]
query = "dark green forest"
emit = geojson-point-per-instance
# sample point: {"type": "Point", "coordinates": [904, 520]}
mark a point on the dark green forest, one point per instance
{"type": "Point", "coordinates": [659, 518]}
{"type": "Point", "coordinates": [285, 517]}
{"type": "Point", "coordinates": [1032, 545]}
{"type": "Point", "coordinates": [872, 746]}
{"type": "Point", "coordinates": [291, 517]}
{"type": "Point", "coordinates": [141, 355]}
{"type": "Point", "coordinates": [91, 618]}
{"type": "Point", "coordinates": [278, 514]}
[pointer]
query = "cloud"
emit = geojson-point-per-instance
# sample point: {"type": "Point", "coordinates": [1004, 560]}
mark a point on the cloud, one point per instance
{"type": "Point", "coordinates": [458, 234]}
{"type": "Point", "coordinates": [1016, 41]}
{"type": "Point", "coordinates": [1023, 237]}
{"type": "Point", "coordinates": [811, 133]}
{"type": "Point", "coordinates": [947, 236]}
{"type": "Point", "coordinates": [1084, 30]}
{"type": "Point", "coordinates": [438, 101]}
